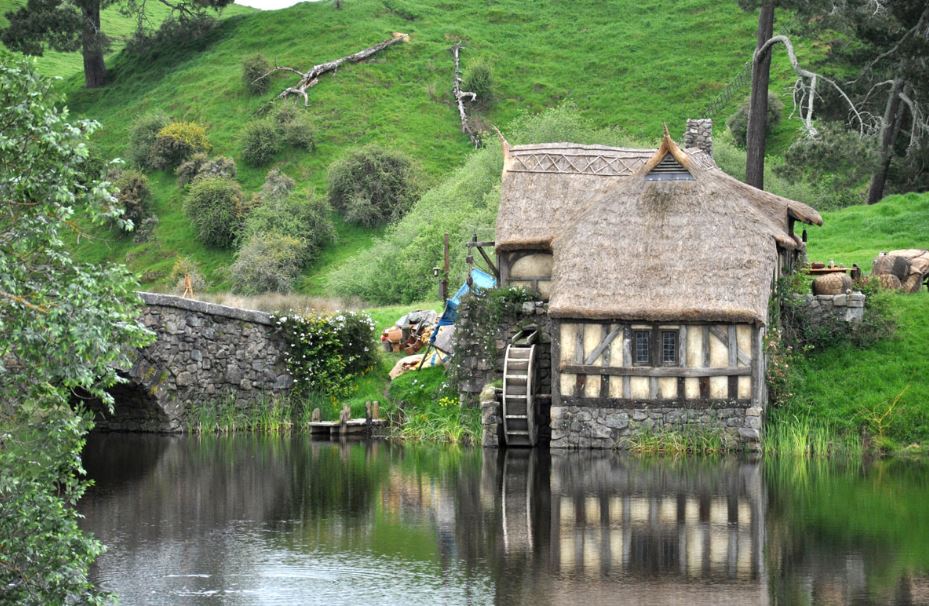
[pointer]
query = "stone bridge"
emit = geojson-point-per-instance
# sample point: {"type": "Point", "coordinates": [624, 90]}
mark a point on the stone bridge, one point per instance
{"type": "Point", "coordinates": [205, 353]}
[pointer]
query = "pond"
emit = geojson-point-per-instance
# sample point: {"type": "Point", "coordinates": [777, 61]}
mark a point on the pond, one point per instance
{"type": "Point", "coordinates": [251, 519]}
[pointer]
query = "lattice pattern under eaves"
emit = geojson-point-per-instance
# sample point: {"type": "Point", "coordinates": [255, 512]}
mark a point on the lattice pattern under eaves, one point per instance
{"type": "Point", "coordinates": [578, 164]}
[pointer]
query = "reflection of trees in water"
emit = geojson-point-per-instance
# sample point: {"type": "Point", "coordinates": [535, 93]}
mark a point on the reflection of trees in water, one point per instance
{"type": "Point", "coordinates": [841, 533]}
{"type": "Point", "coordinates": [543, 528]}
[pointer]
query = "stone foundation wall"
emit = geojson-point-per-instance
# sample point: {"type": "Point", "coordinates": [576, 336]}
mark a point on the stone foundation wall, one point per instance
{"type": "Point", "coordinates": [204, 352]}
{"type": "Point", "coordinates": [589, 427]}
{"type": "Point", "coordinates": [847, 308]}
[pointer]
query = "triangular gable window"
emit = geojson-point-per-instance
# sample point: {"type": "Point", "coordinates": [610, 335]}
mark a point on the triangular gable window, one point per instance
{"type": "Point", "coordinates": [669, 169]}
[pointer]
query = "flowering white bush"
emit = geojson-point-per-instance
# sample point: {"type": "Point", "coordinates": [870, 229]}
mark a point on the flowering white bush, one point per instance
{"type": "Point", "coordinates": [325, 353]}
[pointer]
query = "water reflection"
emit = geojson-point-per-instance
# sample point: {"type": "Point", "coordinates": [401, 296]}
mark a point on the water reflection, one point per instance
{"type": "Point", "coordinates": [256, 520]}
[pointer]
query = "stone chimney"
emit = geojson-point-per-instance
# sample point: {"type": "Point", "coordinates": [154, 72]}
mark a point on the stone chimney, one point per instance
{"type": "Point", "coordinates": [699, 133]}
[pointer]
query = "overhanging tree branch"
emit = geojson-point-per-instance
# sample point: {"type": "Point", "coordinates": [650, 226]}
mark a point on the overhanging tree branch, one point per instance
{"type": "Point", "coordinates": [805, 86]}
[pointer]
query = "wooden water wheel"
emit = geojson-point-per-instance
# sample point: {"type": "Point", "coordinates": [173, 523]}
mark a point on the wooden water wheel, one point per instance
{"type": "Point", "coordinates": [519, 386]}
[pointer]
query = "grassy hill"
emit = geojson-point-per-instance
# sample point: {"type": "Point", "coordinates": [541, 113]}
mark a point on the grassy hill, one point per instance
{"type": "Point", "coordinates": [850, 388]}
{"type": "Point", "coordinates": [633, 66]}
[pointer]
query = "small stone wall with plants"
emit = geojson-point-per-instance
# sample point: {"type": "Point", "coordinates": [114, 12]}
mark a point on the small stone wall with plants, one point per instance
{"type": "Point", "coordinates": [486, 323]}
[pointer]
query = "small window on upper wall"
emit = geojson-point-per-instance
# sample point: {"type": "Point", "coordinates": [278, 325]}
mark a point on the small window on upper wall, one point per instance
{"type": "Point", "coordinates": [669, 348]}
{"type": "Point", "coordinates": [642, 344]}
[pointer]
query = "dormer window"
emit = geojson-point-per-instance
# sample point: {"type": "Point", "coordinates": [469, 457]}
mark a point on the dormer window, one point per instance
{"type": "Point", "coordinates": [669, 169]}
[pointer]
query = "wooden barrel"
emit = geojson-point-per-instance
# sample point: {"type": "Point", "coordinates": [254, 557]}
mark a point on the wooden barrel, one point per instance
{"type": "Point", "coordinates": [831, 284]}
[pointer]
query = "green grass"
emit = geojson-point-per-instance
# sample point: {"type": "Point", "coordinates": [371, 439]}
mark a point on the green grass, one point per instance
{"type": "Point", "coordinates": [635, 69]}
{"type": "Point", "coordinates": [882, 389]}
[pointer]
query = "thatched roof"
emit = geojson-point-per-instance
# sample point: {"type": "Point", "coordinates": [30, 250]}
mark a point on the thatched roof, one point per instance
{"type": "Point", "coordinates": [630, 247]}
{"type": "Point", "coordinates": [543, 185]}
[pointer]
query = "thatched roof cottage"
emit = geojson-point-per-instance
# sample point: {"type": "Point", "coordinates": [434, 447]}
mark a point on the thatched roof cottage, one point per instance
{"type": "Point", "coordinates": [658, 268]}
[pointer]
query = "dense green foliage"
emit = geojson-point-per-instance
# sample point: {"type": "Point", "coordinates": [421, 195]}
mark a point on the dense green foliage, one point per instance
{"type": "Point", "coordinates": [253, 70]}
{"type": "Point", "coordinates": [428, 409]}
{"type": "Point", "coordinates": [373, 186]}
{"type": "Point", "coordinates": [215, 207]}
{"type": "Point", "coordinates": [200, 166]}
{"type": "Point", "coordinates": [835, 166]}
{"type": "Point", "coordinates": [267, 262]}
{"type": "Point", "coordinates": [260, 142]}
{"type": "Point", "coordinates": [326, 353]}
{"type": "Point", "coordinates": [66, 328]}
{"type": "Point", "coordinates": [178, 141]}
{"type": "Point", "coordinates": [142, 135]}
{"type": "Point", "coordinates": [737, 123]}
{"type": "Point", "coordinates": [479, 79]}
{"type": "Point", "coordinates": [306, 220]}
{"type": "Point", "coordinates": [133, 196]}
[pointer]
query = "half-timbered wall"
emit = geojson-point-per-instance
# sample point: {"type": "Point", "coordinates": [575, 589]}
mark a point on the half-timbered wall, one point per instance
{"type": "Point", "coordinates": [631, 363]}
{"type": "Point", "coordinates": [530, 269]}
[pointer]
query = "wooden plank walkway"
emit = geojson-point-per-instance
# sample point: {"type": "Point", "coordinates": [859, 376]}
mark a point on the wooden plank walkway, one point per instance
{"type": "Point", "coordinates": [352, 426]}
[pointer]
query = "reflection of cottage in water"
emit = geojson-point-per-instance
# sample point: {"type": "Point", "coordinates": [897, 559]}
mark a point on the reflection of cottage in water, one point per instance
{"type": "Point", "coordinates": [655, 270]}
{"type": "Point", "coordinates": [601, 527]}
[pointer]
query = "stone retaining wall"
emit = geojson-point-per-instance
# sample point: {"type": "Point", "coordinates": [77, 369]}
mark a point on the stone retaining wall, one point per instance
{"type": "Point", "coordinates": [204, 353]}
{"type": "Point", "coordinates": [847, 308]}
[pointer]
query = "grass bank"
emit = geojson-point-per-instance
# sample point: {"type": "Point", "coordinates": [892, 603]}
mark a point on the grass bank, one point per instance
{"type": "Point", "coordinates": [882, 391]}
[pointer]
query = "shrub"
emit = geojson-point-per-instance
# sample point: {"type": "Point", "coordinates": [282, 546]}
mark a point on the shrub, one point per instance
{"type": "Point", "coordinates": [268, 262]}
{"type": "Point", "coordinates": [277, 185]}
{"type": "Point", "coordinates": [177, 142]}
{"type": "Point", "coordinates": [215, 207]}
{"type": "Point", "coordinates": [295, 127]}
{"type": "Point", "coordinates": [836, 165]}
{"type": "Point", "coordinates": [261, 142]}
{"type": "Point", "coordinates": [142, 137]}
{"type": "Point", "coordinates": [176, 33]}
{"type": "Point", "coordinates": [200, 165]}
{"type": "Point", "coordinates": [133, 196]}
{"type": "Point", "coordinates": [183, 267]}
{"type": "Point", "coordinates": [253, 68]}
{"type": "Point", "coordinates": [738, 122]}
{"type": "Point", "coordinates": [326, 352]}
{"type": "Point", "coordinates": [306, 220]}
{"type": "Point", "coordinates": [373, 186]}
{"type": "Point", "coordinates": [479, 79]}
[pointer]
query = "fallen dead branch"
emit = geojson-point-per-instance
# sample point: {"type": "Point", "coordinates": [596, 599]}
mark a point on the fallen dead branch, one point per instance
{"type": "Point", "coordinates": [461, 96]}
{"type": "Point", "coordinates": [310, 78]}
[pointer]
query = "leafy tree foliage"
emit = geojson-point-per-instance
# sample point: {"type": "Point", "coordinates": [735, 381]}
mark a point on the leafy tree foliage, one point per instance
{"type": "Point", "coordinates": [66, 327]}
{"type": "Point", "coordinates": [70, 25]}
{"type": "Point", "coordinates": [215, 206]}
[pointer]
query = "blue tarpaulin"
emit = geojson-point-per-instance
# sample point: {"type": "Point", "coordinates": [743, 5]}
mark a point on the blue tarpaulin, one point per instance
{"type": "Point", "coordinates": [481, 280]}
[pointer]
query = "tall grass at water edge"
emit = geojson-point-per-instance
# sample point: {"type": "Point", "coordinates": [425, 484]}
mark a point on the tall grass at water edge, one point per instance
{"type": "Point", "coordinates": [266, 415]}
{"type": "Point", "coordinates": [788, 434]}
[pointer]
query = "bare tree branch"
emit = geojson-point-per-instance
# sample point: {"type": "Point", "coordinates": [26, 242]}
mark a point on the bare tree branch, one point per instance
{"type": "Point", "coordinates": [461, 96]}
{"type": "Point", "coordinates": [805, 86]}
{"type": "Point", "coordinates": [310, 78]}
